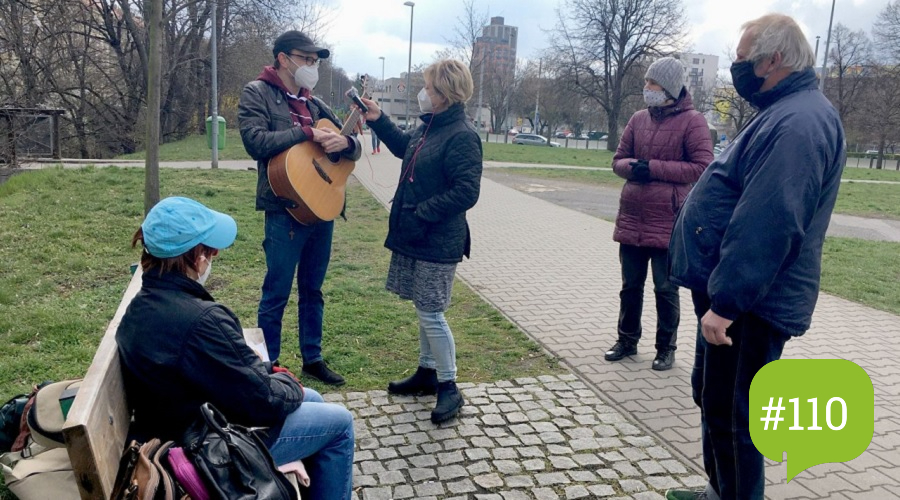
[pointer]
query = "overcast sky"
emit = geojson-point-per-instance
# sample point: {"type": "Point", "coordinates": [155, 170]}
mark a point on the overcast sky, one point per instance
{"type": "Point", "coordinates": [363, 30]}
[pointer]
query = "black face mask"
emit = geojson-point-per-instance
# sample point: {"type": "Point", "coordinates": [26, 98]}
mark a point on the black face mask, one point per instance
{"type": "Point", "coordinates": [745, 81]}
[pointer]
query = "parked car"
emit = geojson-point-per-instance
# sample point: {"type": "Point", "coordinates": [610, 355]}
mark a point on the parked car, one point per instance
{"type": "Point", "coordinates": [582, 136]}
{"type": "Point", "coordinates": [872, 152]}
{"type": "Point", "coordinates": [512, 131]}
{"type": "Point", "coordinates": [560, 135]}
{"type": "Point", "coordinates": [596, 136]}
{"type": "Point", "coordinates": [534, 140]}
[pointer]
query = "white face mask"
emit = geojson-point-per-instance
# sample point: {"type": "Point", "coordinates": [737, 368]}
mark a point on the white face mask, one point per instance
{"type": "Point", "coordinates": [655, 97]}
{"type": "Point", "coordinates": [203, 277]}
{"type": "Point", "coordinates": [306, 77]}
{"type": "Point", "coordinates": [425, 102]}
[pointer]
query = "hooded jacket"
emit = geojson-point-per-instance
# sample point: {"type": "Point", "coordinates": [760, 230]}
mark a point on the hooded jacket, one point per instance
{"type": "Point", "coordinates": [440, 178]}
{"type": "Point", "coordinates": [750, 234]}
{"type": "Point", "coordinates": [180, 349]}
{"type": "Point", "coordinates": [677, 143]}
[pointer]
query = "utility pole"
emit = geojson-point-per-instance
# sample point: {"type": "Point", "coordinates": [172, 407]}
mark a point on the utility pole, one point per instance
{"type": "Point", "coordinates": [480, 89]}
{"type": "Point", "coordinates": [537, 101]}
{"type": "Point", "coordinates": [214, 105]}
{"type": "Point", "coordinates": [827, 43]}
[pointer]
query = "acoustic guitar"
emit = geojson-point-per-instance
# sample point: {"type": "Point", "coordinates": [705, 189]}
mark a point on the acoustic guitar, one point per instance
{"type": "Point", "coordinates": [313, 179]}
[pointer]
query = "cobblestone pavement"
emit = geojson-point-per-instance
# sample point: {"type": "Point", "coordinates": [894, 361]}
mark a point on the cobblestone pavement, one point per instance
{"type": "Point", "coordinates": [555, 273]}
{"type": "Point", "coordinates": [546, 438]}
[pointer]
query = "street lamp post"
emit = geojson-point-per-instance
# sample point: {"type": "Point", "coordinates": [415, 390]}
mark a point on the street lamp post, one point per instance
{"type": "Point", "coordinates": [382, 81]}
{"type": "Point", "coordinates": [827, 43]}
{"type": "Point", "coordinates": [411, 6]}
{"type": "Point", "coordinates": [816, 57]}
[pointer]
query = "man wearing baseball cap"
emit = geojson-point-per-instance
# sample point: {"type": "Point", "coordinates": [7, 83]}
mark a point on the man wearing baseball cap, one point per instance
{"type": "Point", "coordinates": [277, 111]}
{"type": "Point", "coordinates": [179, 349]}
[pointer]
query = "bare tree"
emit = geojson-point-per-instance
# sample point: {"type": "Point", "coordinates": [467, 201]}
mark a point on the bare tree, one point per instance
{"type": "Point", "coordinates": [886, 31]}
{"type": "Point", "coordinates": [466, 31]}
{"type": "Point", "coordinates": [851, 53]}
{"type": "Point", "coordinates": [599, 43]}
{"type": "Point", "coordinates": [880, 108]}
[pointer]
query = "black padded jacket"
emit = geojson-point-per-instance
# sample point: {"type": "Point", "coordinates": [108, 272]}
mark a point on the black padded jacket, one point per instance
{"type": "Point", "coordinates": [440, 178]}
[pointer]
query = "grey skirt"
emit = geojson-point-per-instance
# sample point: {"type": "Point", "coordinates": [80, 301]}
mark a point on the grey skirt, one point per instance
{"type": "Point", "coordinates": [427, 284]}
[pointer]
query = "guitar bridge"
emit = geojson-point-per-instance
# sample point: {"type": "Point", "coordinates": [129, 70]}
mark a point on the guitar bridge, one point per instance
{"type": "Point", "coordinates": [321, 171]}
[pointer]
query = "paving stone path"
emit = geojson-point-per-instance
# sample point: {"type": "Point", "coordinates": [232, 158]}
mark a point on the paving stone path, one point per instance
{"type": "Point", "coordinates": [545, 438]}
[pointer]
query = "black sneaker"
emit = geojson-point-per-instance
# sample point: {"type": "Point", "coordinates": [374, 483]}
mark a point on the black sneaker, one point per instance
{"type": "Point", "coordinates": [664, 360]}
{"type": "Point", "coordinates": [621, 349]}
{"type": "Point", "coordinates": [320, 371]}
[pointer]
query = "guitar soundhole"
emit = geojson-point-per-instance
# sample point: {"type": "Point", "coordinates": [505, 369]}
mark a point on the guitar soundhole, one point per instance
{"type": "Point", "coordinates": [322, 172]}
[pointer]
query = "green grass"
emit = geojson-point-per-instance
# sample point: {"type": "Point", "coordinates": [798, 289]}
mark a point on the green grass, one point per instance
{"type": "Point", "coordinates": [871, 174]}
{"type": "Point", "coordinates": [863, 271]}
{"type": "Point", "coordinates": [517, 153]}
{"type": "Point", "coordinates": [194, 148]}
{"type": "Point", "coordinates": [591, 177]}
{"type": "Point", "coordinates": [869, 200]}
{"type": "Point", "coordinates": [66, 250]}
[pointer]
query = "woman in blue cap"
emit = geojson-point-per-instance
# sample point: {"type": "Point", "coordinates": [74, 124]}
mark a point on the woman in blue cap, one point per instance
{"type": "Point", "coordinates": [180, 349]}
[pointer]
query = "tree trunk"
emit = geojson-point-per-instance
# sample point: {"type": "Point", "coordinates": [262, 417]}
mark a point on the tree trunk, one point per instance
{"type": "Point", "coordinates": [151, 165]}
{"type": "Point", "coordinates": [612, 121]}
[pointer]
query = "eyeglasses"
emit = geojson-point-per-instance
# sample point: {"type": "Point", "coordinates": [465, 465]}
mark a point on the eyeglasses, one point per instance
{"type": "Point", "coordinates": [310, 61]}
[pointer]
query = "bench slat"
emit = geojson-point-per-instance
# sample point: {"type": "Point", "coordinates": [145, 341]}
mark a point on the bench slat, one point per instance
{"type": "Point", "coordinates": [98, 421]}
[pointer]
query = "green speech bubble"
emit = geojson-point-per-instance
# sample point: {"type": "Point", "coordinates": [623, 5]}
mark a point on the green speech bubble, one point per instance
{"type": "Point", "coordinates": [797, 387]}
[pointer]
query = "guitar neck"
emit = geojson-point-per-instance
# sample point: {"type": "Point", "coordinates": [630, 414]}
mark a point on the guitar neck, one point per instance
{"type": "Point", "coordinates": [351, 122]}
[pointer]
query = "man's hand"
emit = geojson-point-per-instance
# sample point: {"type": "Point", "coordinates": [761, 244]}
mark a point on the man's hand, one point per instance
{"type": "Point", "coordinates": [330, 141]}
{"type": "Point", "coordinates": [713, 327]}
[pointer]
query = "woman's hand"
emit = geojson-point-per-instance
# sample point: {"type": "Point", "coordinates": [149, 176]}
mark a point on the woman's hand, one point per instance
{"type": "Point", "coordinates": [374, 112]}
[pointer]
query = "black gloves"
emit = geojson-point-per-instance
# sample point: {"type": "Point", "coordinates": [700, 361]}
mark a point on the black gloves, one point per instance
{"type": "Point", "coordinates": [640, 171]}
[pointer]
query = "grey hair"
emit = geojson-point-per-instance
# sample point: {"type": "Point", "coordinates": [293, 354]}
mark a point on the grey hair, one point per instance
{"type": "Point", "coordinates": [779, 33]}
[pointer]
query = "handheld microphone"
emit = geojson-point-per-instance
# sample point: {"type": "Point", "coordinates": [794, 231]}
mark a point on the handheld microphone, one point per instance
{"type": "Point", "coordinates": [354, 95]}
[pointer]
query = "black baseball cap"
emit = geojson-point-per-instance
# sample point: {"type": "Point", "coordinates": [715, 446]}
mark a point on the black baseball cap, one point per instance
{"type": "Point", "coordinates": [295, 40]}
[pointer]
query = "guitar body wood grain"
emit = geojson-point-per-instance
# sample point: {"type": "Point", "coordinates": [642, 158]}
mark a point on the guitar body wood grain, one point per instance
{"type": "Point", "coordinates": [305, 174]}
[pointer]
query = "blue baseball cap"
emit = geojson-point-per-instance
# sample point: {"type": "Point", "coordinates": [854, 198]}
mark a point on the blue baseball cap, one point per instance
{"type": "Point", "coordinates": [176, 225]}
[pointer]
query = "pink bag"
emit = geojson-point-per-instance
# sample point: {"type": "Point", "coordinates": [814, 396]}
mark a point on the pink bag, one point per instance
{"type": "Point", "coordinates": [187, 475]}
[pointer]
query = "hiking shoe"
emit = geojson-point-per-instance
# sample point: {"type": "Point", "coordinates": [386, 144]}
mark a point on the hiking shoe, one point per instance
{"type": "Point", "coordinates": [664, 360]}
{"type": "Point", "coordinates": [621, 349]}
{"type": "Point", "coordinates": [449, 402]}
{"type": "Point", "coordinates": [686, 495]}
{"type": "Point", "coordinates": [320, 371]}
{"type": "Point", "coordinates": [423, 382]}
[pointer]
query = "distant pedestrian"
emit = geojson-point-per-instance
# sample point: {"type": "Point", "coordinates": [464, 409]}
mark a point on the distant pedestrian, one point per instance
{"type": "Point", "coordinates": [663, 150]}
{"type": "Point", "coordinates": [748, 243]}
{"type": "Point", "coordinates": [376, 142]}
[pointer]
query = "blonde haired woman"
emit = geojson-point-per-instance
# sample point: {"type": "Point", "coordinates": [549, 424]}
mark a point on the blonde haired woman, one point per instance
{"type": "Point", "coordinates": [440, 179]}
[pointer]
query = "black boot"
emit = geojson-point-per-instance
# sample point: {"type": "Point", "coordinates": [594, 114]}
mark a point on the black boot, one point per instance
{"type": "Point", "coordinates": [621, 349]}
{"type": "Point", "coordinates": [423, 382]}
{"type": "Point", "coordinates": [449, 401]}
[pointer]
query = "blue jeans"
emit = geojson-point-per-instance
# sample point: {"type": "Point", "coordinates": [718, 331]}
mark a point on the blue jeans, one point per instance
{"type": "Point", "coordinates": [720, 385]}
{"type": "Point", "coordinates": [437, 350]}
{"type": "Point", "coordinates": [292, 247]}
{"type": "Point", "coordinates": [320, 434]}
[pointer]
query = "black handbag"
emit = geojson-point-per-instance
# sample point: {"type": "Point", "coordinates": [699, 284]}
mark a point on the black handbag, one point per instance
{"type": "Point", "coordinates": [233, 460]}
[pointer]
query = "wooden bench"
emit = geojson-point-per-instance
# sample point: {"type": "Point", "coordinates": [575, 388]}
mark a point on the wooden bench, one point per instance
{"type": "Point", "coordinates": [97, 424]}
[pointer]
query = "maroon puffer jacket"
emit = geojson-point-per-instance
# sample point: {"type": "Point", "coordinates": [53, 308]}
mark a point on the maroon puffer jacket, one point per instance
{"type": "Point", "coordinates": [676, 141]}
